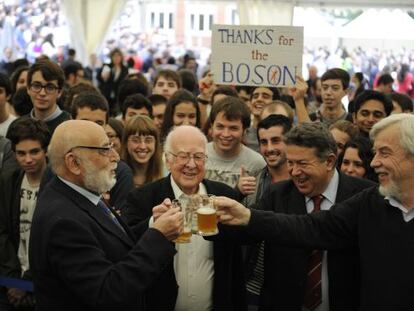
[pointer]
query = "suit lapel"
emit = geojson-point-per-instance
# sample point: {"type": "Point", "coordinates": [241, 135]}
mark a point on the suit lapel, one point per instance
{"type": "Point", "coordinates": [94, 212]}
{"type": "Point", "coordinates": [296, 203]}
{"type": "Point", "coordinates": [345, 188]}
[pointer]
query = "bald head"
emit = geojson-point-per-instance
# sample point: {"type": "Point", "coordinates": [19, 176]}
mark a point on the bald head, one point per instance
{"type": "Point", "coordinates": [70, 134]}
{"type": "Point", "coordinates": [184, 133]}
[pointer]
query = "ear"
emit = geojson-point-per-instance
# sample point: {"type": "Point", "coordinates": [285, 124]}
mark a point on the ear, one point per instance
{"type": "Point", "coordinates": [167, 162]}
{"type": "Point", "coordinates": [73, 164]}
{"type": "Point", "coordinates": [331, 162]}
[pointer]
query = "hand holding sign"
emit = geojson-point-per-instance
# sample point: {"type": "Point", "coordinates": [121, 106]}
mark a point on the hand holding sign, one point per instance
{"type": "Point", "coordinates": [256, 55]}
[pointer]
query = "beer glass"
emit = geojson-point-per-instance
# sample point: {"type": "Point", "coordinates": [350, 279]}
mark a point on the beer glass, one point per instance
{"type": "Point", "coordinates": [206, 216]}
{"type": "Point", "coordinates": [185, 236]}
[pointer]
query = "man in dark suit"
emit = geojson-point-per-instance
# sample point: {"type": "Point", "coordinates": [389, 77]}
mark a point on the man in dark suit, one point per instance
{"type": "Point", "coordinates": [82, 256]}
{"type": "Point", "coordinates": [204, 275]}
{"type": "Point", "coordinates": [378, 220]}
{"type": "Point", "coordinates": [311, 156]}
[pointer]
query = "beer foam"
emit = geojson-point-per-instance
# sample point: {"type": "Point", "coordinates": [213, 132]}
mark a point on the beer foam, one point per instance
{"type": "Point", "coordinates": [206, 211]}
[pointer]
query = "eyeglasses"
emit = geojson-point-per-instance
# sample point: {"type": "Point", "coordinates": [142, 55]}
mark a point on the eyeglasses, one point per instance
{"type": "Point", "coordinates": [37, 87]}
{"type": "Point", "coordinates": [183, 158]}
{"type": "Point", "coordinates": [104, 150]}
{"type": "Point", "coordinates": [149, 139]}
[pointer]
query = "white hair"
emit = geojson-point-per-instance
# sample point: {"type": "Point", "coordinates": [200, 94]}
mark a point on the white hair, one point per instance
{"type": "Point", "coordinates": [189, 128]}
{"type": "Point", "coordinates": [406, 124]}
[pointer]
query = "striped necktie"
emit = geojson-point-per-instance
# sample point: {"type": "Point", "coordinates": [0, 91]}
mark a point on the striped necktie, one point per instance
{"type": "Point", "coordinates": [313, 292]}
{"type": "Point", "coordinates": [107, 211]}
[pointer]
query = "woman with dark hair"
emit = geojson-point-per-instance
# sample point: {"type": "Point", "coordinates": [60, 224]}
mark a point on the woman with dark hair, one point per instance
{"type": "Point", "coordinates": [182, 109]}
{"type": "Point", "coordinates": [109, 78]}
{"type": "Point", "coordinates": [19, 78]}
{"type": "Point", "coordinates": [405, 81]}
{"type": "Point", "coordinates": [360, 84]}
{"type": "Point", "coordinates": [114, 129]}
{"type": "Point", "coordinates": [141, 150]}
{"type": "Point", "coordinates": [356, 159]}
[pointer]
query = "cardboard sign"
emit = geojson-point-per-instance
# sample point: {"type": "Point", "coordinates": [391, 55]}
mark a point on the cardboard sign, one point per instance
{"type": "Point", "coordinates": [256, 55]}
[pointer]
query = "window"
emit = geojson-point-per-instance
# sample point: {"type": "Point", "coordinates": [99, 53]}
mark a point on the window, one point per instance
{"type": "Point", "coordinates": [211, 20]}
{"type": "Point", "coordinates": [201, 22]}
{"type": "Point", "coordinates": [152, 19]}
{"type": "Point", "coordinates": [170, 21]}
{"type": "Point", "coordinates": [192, 21]}
{"type": "Point", "coordinates": [161, 20]}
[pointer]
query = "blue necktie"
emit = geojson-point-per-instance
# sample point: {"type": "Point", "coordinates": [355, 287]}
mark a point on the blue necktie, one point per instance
{"type": "Point", "coordinates": [108, 212]}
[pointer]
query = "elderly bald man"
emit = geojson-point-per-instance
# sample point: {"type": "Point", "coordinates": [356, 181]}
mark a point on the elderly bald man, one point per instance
{"type": "Point", "coordinates": [82, 255]}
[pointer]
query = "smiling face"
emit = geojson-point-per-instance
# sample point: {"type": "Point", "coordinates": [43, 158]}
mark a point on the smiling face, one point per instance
{"type": "Point", "coordinates": [370, 113]}
{"type": "Point", "coordinates": [189, 175]}
{"type": "Point", "coordinates": [352, 164]}
{"type": "Point", "coordinates": [141, 148]}
{"type": "Point", "coordinates": [392, 163]}
{"type": "Point", "coordinates": [261, 97]}
{"type": "Point", "coordinates": [310, 174]}
{"type": "Point", "coordinates": [185, 114]}
{"type": "Point", "coordinates": [272, 146]}
{"type": "Point", "coordinates": [227, 135]}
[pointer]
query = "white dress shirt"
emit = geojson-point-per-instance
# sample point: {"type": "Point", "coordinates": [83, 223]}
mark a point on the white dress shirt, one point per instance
{"type": "Point", "coordinates": [194, 268]}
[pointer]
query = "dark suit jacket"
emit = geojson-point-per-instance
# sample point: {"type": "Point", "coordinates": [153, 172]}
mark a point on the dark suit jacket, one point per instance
{"type": "Point", "coordinates": [228, 286]}
{"type": "Point", "coordinates": [286, 267]}
{"type": "Point", "coordinates": [81, 260]}
{"type": "Point", "coordinates": [10, 185]}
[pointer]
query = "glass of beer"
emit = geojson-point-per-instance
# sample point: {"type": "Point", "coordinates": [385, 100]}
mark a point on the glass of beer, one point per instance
{"type": "Point", "coordinates": [185, 236]}
{"type": "Point", "coordinates": [206, 216]}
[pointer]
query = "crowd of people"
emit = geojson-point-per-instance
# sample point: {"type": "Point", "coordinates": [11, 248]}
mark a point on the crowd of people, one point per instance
{"type": "Point", "coordinates": [91, 159]}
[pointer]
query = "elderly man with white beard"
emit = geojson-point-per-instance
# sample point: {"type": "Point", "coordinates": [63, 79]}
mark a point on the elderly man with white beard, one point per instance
{"type": "Point", "coordinates": [82, 255]}
{"type": "Point", "coordinates": [378, 220]}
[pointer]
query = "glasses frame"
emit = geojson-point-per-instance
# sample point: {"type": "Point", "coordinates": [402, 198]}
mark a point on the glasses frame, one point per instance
{"type": "Point", "coordinates": [44, 86]}
{"type": "Point", "coordinates": [104, 151]}
{"type": "Point", "coordinates": [189, 157]}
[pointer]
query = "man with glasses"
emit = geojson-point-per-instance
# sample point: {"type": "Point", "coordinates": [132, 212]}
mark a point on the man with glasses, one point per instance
{"type": "Point", "coordinates": [92, 106]}
{"type": "Point", "coordinates": [82, 255]}
{"type": "Point", "coordinates": [203, 275]}
{"type": "Point", "coordinates": [45, 81]}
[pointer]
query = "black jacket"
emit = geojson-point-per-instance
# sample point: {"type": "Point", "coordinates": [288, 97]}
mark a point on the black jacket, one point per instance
{"type": "Point", "coordinates": [228, 284]}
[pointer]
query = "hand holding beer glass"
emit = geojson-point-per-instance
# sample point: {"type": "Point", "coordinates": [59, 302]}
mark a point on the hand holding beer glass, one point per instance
{"type": "Point", "coordinates": [187, 210]}
{"type": "Point", "coordinates": [206, 216]}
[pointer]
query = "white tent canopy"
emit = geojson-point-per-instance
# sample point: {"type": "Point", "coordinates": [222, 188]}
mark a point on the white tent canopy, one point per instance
{"type": "Point", "coordinates": [89, 21]}
{"type": "Point", "coordinates": [315, 25]}
{"type": "Point", "coordinates": [380, 24]}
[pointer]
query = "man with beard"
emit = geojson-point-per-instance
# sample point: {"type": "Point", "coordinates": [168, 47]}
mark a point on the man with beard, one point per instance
{"type": "Point", "coordinates": [379, 221]}
{"type": "Point", "coordinates": [82, 255]}
{"type": "Point", "coordinates": [288, 283]}
{"type": "Point", "coordinates": [270, 133]}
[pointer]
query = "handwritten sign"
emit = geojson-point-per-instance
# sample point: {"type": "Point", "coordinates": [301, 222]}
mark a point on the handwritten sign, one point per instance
{"type": "Point", "coordinates": [256, 55]}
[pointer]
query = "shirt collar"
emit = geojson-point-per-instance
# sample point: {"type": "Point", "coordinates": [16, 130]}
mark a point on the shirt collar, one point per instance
{"type": "Point", "coordinates": [87, 194]}
{"type": "Point", "coordinates": [330, 191]}
{"type": "Point", "coordinates": [54, 114]}
{"type": "Point", "coordinates": [394, 202]}
{"type": "Point", "coordinates": [178, 192]}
